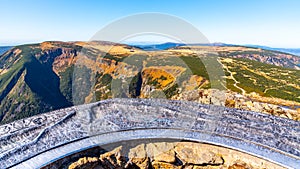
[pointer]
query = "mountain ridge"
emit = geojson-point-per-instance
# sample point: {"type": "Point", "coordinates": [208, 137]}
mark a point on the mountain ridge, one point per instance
{"type": "Point", "coordinates": [37, 78]}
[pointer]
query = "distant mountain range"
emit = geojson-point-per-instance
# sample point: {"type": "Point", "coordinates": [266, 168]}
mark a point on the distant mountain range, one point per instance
{"type": "Point", "coordinates": [153, 47]}
{"type": "Point", "coordinates": [294, 51]}
{"type": "Point", "coordinates": [168, 45]}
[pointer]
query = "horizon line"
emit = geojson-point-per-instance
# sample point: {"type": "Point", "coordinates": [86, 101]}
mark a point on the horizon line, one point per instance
{"type": "Point", "coordinates": [143, 43]}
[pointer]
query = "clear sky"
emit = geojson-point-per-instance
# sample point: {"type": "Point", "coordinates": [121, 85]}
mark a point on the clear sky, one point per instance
{"type": "Point", "coordinates": [262, 22]}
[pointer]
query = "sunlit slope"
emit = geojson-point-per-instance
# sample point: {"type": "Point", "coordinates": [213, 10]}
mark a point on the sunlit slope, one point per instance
{"type": "Point", "coordinates": [37, 78]}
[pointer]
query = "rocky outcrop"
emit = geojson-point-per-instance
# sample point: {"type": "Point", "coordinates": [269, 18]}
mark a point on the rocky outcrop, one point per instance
{"type": "Point", "coordinates": [252, 102]}
{"type": "Point", "coordinates": [85, 163]}
{"type": "Point", "coordinates": [173, 155]}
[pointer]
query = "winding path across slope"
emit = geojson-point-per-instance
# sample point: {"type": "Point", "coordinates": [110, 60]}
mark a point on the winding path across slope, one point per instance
{"type": "Point", "coordinates": [235, 81]}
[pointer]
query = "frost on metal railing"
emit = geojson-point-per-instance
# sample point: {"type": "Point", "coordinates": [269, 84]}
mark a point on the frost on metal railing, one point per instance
{"type": "Point", "coordinates": [56, 134]}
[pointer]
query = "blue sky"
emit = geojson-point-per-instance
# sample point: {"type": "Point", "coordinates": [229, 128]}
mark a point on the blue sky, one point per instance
{"type": "Point", "coordinates": [262, 22]}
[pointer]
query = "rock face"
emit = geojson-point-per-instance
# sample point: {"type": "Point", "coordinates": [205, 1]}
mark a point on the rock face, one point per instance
{"type": "Point", "coordinates": [173, 155]}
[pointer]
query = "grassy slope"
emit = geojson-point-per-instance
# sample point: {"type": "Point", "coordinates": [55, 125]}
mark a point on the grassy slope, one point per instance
{"type": "Point", "coordinates": [267, 80]}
